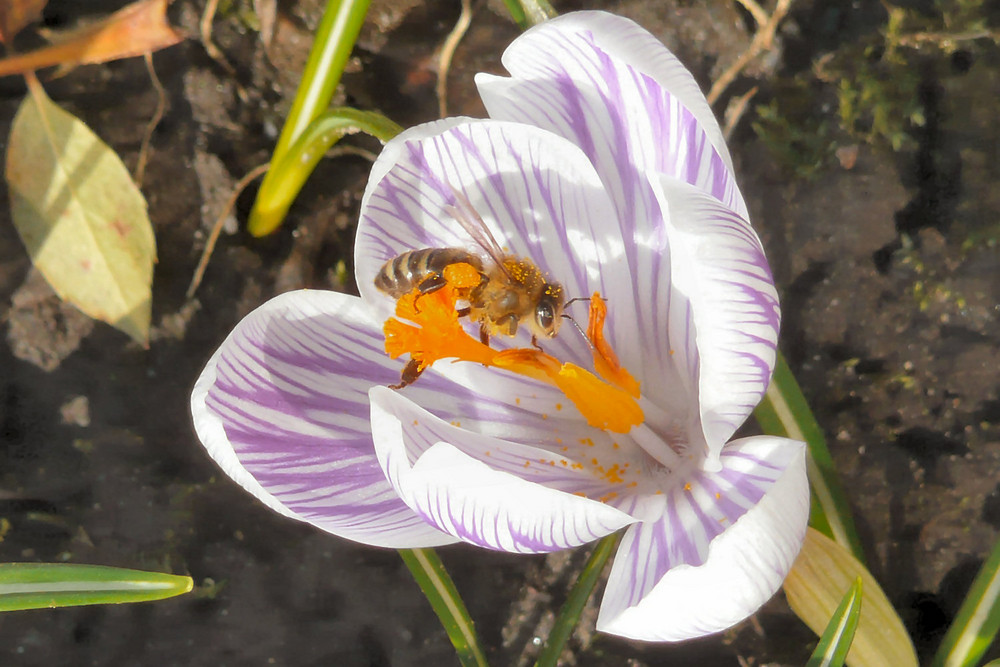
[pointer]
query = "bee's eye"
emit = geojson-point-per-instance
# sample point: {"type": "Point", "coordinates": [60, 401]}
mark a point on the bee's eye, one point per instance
{"type": "Point", "coordinates": [544, 316]}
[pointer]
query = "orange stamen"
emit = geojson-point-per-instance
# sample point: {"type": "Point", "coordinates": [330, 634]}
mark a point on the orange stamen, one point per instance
{"type": "Point", "coordinates": [605, 360]}
{"type": "Point", "coordinates": [436, 333]}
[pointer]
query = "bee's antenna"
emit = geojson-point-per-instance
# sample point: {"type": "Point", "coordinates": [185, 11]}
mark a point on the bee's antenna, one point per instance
{"type": "Point", "coordinates": [577, 324]}
{"type": "Point", "coordinates": [580, 298]}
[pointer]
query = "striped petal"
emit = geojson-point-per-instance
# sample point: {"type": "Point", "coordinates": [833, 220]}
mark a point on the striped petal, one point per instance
{"type": "Point", "coordinates": [488, 492]}
{"type": "Point", "coordinates": [537, 193]}
{"type": "Point", "coordinates": [611, 88]}
{"type": "Point", "coordinates": [720, 551]}
{"type": "Point", "coordinates": [282, 407]}
{"type": "Point", "coordinates": [723, 293]}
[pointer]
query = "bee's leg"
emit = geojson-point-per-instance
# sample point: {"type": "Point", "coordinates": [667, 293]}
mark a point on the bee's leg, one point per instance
{"type": "Point", "coordinates": [409, 374]}
{"type": "Point", "coordinates": [484, 334]}
{"type": "Point", "coordinates": [429, 284]}
{"type": "Point", "coordinates": [534, 343]}
{"type": "Point", "coordinates": [510, 321]}
{"type": "Point", "coordinates": [432, 283]}
{"type": "Point", "coordinates": [463, 312]}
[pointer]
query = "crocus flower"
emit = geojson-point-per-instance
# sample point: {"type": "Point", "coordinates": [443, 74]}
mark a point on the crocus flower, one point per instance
{"type": "Point", "coordinates": [602, 163]}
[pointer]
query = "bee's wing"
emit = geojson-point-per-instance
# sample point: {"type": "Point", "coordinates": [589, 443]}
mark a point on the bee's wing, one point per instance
{"type": "Point", "coordinates": [466, 215]}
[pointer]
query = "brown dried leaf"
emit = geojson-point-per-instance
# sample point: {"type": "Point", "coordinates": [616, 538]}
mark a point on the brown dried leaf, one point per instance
{"type": "Point", "coordinates": [137, 29]}
{"type": "Point", "coordinates": [15, 14]}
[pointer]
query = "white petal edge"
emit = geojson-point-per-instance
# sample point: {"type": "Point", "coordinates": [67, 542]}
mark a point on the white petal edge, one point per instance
{"type": "Point", "coordinates": [471, 500]}
{"type": "Point", "coordinates": [746, 566]}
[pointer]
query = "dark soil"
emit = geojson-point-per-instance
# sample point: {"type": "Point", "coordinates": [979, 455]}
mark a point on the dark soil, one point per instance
{"type": "Point", "coordinates": [891, 283]}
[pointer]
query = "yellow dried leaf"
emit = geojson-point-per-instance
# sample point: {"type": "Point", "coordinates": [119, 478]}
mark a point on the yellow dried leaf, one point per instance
{"type": "Point", "coordinates": [815, 586]}
{"type": "Point", "coordinates": [82, 218]}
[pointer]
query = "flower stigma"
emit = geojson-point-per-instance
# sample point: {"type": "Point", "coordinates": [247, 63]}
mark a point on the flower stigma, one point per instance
{"type": "Point", "coordinates": [432, 331]}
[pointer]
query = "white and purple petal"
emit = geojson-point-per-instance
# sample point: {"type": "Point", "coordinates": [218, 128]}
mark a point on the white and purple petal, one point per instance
{"type": "Point", "coordinates": [484, 491]}
{"type": "Point", "coordinates": [722, 291]}
{"type": "Point", "coordinates": [720, 551]}
{"type": "Point", "coordinates": [283, 408]}
{"type": "Point", "coordinates": [611, 88]}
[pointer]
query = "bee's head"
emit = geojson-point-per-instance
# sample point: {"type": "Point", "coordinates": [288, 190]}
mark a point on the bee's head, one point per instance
{"type": "Point", "coordinates": [548, 310]}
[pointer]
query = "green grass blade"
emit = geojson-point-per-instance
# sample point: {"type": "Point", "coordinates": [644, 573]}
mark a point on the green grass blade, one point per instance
{"type": "Point", "coordinates": [785, 412]}
{"type": "Point", "coordinates": [517, 13]}
{"type": "Point", "coordinates": [831, 651]}
{"type": "Point", "coordinates": [440, 591]}
{"type": "Point", "coordinates": [335, 38]}
{"type": "Point", "coordinates": [569, 615]}
{"type": "Point", "coordinates": [978, 618]}
{"type": "Point", "coordinates": [41, 585]}
{"type": "Point", "coordinates": [527, 13]}
{"type": "Point", "coordinates": [299, 161]}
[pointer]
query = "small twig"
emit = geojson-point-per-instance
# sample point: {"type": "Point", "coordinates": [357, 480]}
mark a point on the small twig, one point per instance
{"type": "Point", "coordinates": [206, 37]}
{"type": "Point", "coordinates": [147, 138]}
{"type": "Point", "coordinates": [737, 107]}
{"type": "Point", "coordinates": [760, 16]}
{"type": "Point", "coordinates": [943, 38]}
{"type": "Point", "coordinates": [206, 254]}
{"type": "Point", "coordinates": [205, 26]}
{"type": "Point", "coordinates": [447, 52]}
{"type": "Point", "coordinates": [763, 40]}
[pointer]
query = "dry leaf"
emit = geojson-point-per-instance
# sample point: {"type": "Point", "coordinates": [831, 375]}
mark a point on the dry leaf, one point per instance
{"type": "Point", "coordinates": [80, 216]}
{"type": "Point", "coordinates": [137, 29]}
{"type": "Point", "coordinates": [815, 586]}
{"type": "Point", "coordinates": [15, 14]}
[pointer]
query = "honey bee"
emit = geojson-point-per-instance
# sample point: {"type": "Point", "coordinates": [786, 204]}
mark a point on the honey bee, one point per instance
{"type": "Point", "coordinates": [512, 291]}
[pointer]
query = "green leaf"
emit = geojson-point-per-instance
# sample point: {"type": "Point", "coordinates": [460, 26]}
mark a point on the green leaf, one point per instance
{"type": "Point", "coordinates": [40, 585]}
{"type": "Point", "coordinates": [289, 175]}
{"type": "Point", "coordinates": [79, 214]}
{"type": "Point", "coordinates": [335, 37]}
{"type": "Point", "coordinates": [785, 412]}
{"type": "Point", "coordinates": [831, 651]}
{"type": "Point", "coordinates": [823, 570]}
{"type": "Point", "coordinates": [978, 620]}
{"type": "Point", "coordinates": [429, 573]}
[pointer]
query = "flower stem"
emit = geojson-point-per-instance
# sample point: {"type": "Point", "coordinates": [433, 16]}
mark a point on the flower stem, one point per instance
{"type": "Point", "coordinates": [338, 30]}
{"type": "Point", "coordinates": [569, 615]}
{"type": "Point", "coordinates": [440, 591]}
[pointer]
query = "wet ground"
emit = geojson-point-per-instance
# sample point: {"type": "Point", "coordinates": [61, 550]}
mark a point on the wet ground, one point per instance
{"type": "Point", "coordinates": [888, 266]}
